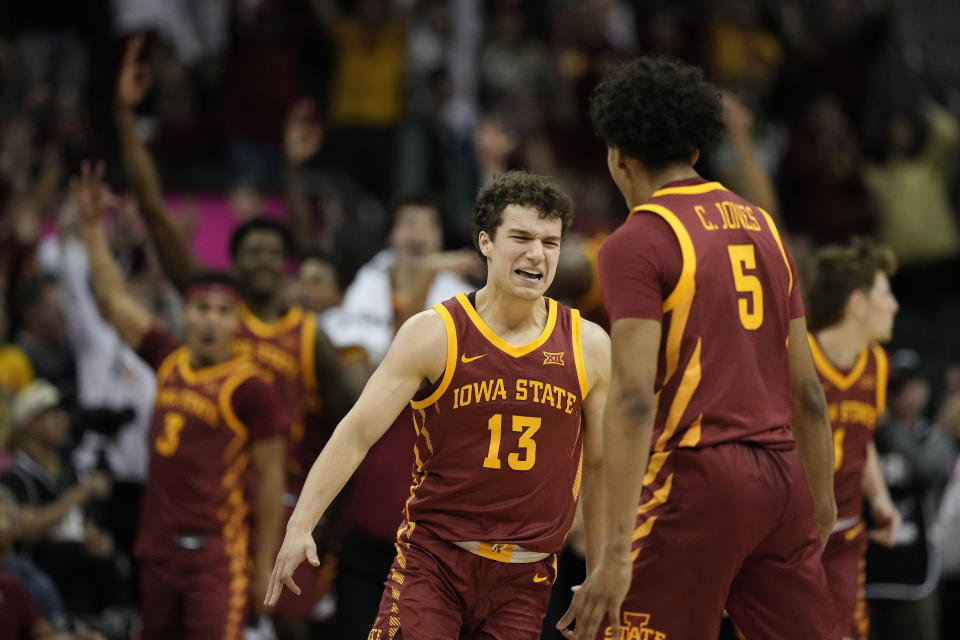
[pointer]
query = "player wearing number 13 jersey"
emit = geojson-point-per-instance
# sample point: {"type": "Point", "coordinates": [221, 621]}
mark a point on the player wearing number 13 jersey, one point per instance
{"type": "Point", "coordinates": [508, 389]}
{"type": "Point", "coordinates": [711, 371]}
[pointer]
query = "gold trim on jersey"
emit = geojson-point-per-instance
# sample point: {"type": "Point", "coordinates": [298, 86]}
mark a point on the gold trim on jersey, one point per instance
{"type": "Point", "coordinates": [500, 343]}
{"type": "Point", "coordinates": [224, 400]}
{"type": "Point", "coordinates": [680, 300]}
{"type": "Point", "coordinates": [687, 252]}
{"type": "Point", "coordinates": [783, 252]}
{"type": "Point", "coordinates": [451, 359]}
{"type": "Point", "coordinates": [681, 400]}
{"type": "Point", "coordinates": [575, 327]}
{"type": "Point", "coordinates": [168, 364]}
{"type": "Point", "coordinates": [263, 329]}
{"type": "Point", "coordinates": [838, 379]}
{"type": "Point", "coordinates": [308, 346]}
{"type": "Point", "coordinates": [690, 190]}
{"type": "Point", "coordinates": [882, 364]}
{"type": "Point", "coordinates": [207, 374]}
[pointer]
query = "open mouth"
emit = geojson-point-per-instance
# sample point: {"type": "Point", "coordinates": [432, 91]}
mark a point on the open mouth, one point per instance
{"type": "Point", "coordinates": [530, 275]}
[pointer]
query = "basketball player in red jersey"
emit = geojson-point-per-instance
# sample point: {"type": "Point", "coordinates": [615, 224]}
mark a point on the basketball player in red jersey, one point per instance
{"type": "Point", "coordinates": [851, 308]}
{"type": "Point", "coordinates": [284, 340]}
{"type": "Point", "coordinates": [507, 391]}
{"type": "Point", "coordinates": [709, 493]}
{"type": "Point", "coordinates": [216, 415]}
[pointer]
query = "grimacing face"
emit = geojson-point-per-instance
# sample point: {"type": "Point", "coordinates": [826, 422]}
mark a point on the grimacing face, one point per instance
{"type": "Point", "coordinates": [210, 322]}
{"type": "Point", "coordinates": [522, 256]}
{"type": "Point", "coordinates": [260, 262]}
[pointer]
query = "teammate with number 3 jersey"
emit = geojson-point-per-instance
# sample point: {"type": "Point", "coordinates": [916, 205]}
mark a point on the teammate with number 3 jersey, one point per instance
{"type": "Point", "coordinates": [713, 393]}
{"type": "Point", "coordinates": [508, 389]}
{"type": "Point", "coordinates": [216, 418]}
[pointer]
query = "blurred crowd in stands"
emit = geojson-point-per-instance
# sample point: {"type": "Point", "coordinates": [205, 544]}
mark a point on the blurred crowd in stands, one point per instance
{"type": "Point", "coordinates": [368, 127]}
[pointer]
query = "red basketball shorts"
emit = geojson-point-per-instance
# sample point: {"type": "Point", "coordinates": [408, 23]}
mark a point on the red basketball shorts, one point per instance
{"type": "Point", "coordinates": [194, 594]}
{"type": "Point", "coordinates": [438, 591]}
{"type": "Point", "coordinates": [726, 527]}
{"type": "Point", "coordinates": [844, 561]}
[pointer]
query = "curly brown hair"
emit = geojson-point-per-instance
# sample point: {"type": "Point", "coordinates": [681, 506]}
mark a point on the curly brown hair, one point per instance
{"type": "Point", "coordinates": [658, 111]}
{"type": "Point", "coordinates": [521, 188]}
{"type": "Point", "coordinates": [834, 273]}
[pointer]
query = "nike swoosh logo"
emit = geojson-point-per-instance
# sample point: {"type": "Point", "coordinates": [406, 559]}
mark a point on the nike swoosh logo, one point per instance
{"type": "Point", "coordinates": [538, 578]}
{"type": "Point", "coordinates": [464, 359]}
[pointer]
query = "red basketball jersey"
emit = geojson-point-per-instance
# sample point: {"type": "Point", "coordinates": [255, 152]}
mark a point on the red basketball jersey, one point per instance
{"type": "Point", "coordinates": [725, 309]}
{"type": "Point", "coordinates": [286, 349]}
{"type": "Point", "coordinates": [199, 437]}
{"type": "Point", "coordinates": [498, 451]}
{"type": "Point", "coordinates": [856, 399]}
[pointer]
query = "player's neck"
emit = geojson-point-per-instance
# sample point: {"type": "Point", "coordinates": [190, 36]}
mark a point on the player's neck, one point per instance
{"type": "Point", "coordinates": [266, 310]}
{"type": "Point", "coordinates": [647, 182]}
{"type": "Point", "coordinates": [202, 361]}
{"type": "Point", "coordinates": [842, 343]}
{"type": "Point", "coordinates": [507, 314]}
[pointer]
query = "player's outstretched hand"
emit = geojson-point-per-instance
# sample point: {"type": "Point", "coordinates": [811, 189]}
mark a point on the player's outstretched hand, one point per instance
{"type": "Point", "coordinates": [599, 596]}
{"type": "Point", "coordinates": [886, 519]}
{"type": "Point", "coordinates": [134, 79]}
{"type": "Point", "coordinates": [296, 547]}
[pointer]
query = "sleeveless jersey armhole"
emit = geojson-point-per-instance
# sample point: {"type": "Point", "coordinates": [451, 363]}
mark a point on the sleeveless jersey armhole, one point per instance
{"type": "Point", "coordinates": [439, 388]}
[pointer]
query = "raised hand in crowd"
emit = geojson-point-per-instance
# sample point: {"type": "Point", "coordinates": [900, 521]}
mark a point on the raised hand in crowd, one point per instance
{"type": "Point", "coordinates": [134, 79]}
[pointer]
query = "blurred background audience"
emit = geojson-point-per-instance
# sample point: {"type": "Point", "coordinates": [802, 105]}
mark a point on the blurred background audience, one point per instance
{"type": "Point", "coordinates": [368, 127]}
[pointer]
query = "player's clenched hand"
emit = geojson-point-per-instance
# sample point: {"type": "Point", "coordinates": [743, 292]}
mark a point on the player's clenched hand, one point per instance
{"type": "Point", "coordinates": [599, 596]}
{"type": "Point", "coordinates": [887, 521]}
{"type": "Point", "coordinates": [297, 546]}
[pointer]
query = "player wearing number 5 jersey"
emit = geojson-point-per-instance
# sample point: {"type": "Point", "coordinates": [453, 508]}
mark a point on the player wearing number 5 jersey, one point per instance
{"type": "Point", "coordinates": [508, 389]}
{"type": "Point", "coordinates": [709, 504]}
{"type": "Point", "coordinates": [215, 418]}
{"type": "Point", "coordinates": [851, 309]}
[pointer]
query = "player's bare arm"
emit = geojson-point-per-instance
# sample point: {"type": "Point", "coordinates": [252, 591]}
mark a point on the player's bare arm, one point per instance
{"type": "Point", "coordinates": [118, 307]}
{"type": "Point", "coordinates": [811, 428]}
{"type": "Point", "coordinates": [596, 355]}
{"type": "Point", "coordinates": [418, 354]}
{"type": "Point", "coordinates": [628, 430]}
{"type": "Point", "coordinates": [133, 82]}
{"type": "Point", "coordinates": [886, 518]}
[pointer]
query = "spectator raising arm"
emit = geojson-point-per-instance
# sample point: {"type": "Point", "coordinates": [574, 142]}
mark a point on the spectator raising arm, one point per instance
{"type": "Point", "coordinates": [117, 306]}
{"type": "Point", "coordinates": [133, 82]}
{"type": "Point", "coordinates": [302, 138]}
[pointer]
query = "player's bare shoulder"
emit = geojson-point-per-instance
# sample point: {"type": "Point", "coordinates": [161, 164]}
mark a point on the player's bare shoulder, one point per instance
{"type": "Point", "coordinates": [421, 343]}
{"type": "Point", "coordinates": [596, 353]}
